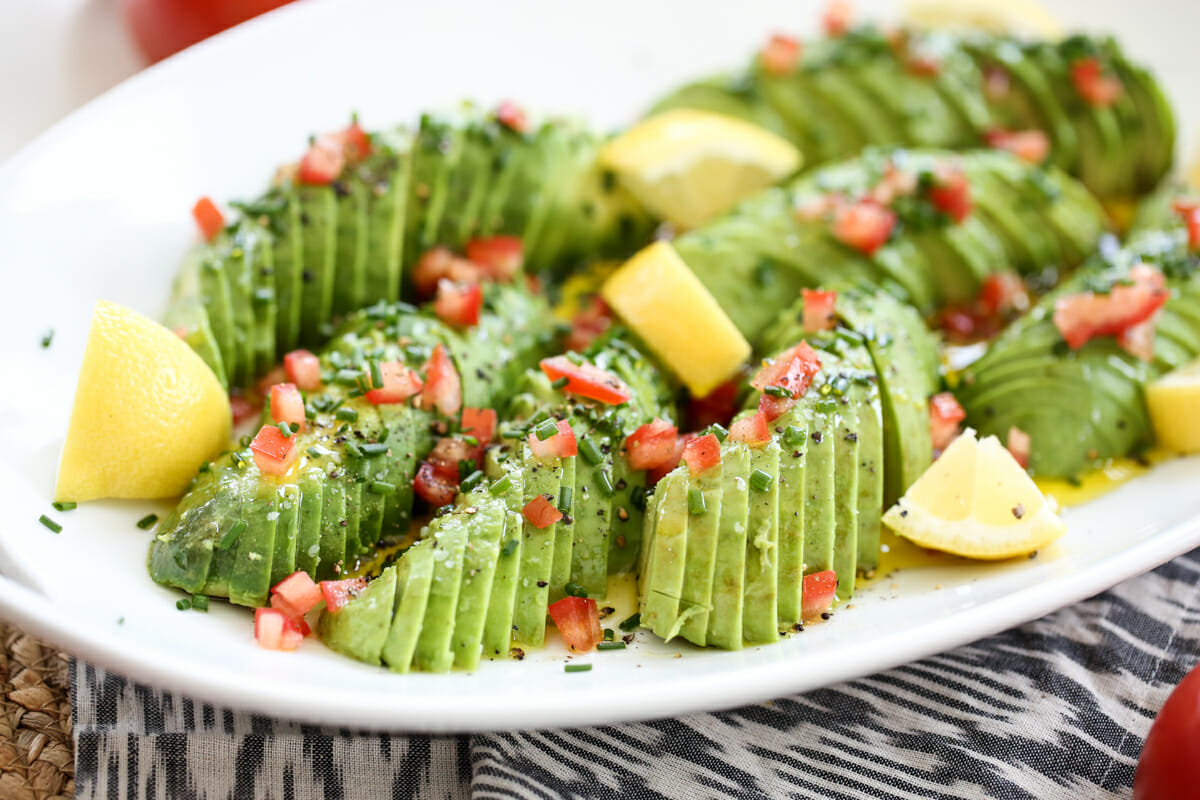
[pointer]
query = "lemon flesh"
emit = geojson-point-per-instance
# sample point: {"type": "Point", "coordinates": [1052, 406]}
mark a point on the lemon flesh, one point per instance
{"type": "Point", "coordinates": [687, 166]}
{"type": "Point", "coordinates": [975, 501]}
{"type": "Point", "coordinates": [1174, 404]}
{"type": "Point", "coordinates": [148, 412]}
{"type": "Point", "coordinates": [665, 304]}
{"type": "Point", "coordinates": [1011, 16]}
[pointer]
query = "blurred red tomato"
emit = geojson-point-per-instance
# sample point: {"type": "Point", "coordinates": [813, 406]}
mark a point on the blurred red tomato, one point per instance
{"type": "Point", "coordinates": [1170, 764]}
{"type": "Point", "coordinates": [163, 27]}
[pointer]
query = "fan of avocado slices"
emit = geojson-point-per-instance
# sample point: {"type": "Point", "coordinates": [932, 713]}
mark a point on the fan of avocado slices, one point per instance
{"type": "Point", "coordinates": [1106, 119]}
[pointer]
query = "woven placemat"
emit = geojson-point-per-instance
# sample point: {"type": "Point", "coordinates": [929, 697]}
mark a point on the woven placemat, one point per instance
{"type": "Point", "coordinates": [36, 756]}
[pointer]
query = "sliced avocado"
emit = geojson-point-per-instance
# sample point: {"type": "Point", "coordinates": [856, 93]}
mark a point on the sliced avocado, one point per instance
{"type": "Point", "coordinates": [449, 534]}
{"type": "Point", "coordinates": [502, 209]}
{"type": "Point", "coordinates": [195, 529]}
{"type": "Point", "coordinates": [468, 186]}
{"type": "Point", "coordinates": [215, 295]}
{"type": "Point", "coordinates": [360, 629]}
{"type": "Point", "coordinates": [479, 570]}
{"type": "Point", "coordinates": [826, 129]}
{"type": "Point", "coordinates": [414, 579]}
{"type": "Point", "coordinates": [564, 536]}
{"type": "Point", "coordinates": [333, 528]}
{"type": "Point", "coordinates": [228, 527]}
{"type": "Point", "coordinates": [436, 154]}
{"type": "Point", "coordinates": [759, 611]}
{"type": "Point", "coordinates": [594, 516]}
{"type": "Point", "coordinates": [876, 124]}
{"type": "Point", "coordinates": [626, 517]}
{"type": "Point", "coordinates": [354, 490]}
{"type": "Point", "coordinates": [1023, 232]}
{"type": "Point", "coordinates": [283, 560]}
{"type": "Point", "coordinates": [740, 95]}
{"type": "Point", "coordinates": [497, 629]}
{"type": "Point", "coordinates": [391, 205]}
{"type": "Point", "coordinates": [820, 514]}
{"type": "Point", "coordinates": [914, 103]}
{"type": "Point", "coordinates": [660, 580]}
{"type": "Point", "coordinates": [256, 244]}
{"type": "Point", "coordinates": [695, 595]}
{"type": "Point", "coordinates": [241, 293]}
{"type": "Point", "coordinates": [250, 578]}
{"type": "Point", "coordinates": [542, 477]}
{"type": "Point", "coordinates": [865, 393]}
{"type": "Point", "coordinates": [729, 571]}
{"type": "Point", "coordinates": [350, 283]}
{"type": "Point", "coordinates": [189, 316]}
{"type": "Point", "coordinates": [1157, 116]}
{"type": "Point", "coordinates": [369, 468]}
{"type": "Point", "coordinates": [794, 441]}
{"type": "Point", "coordinates": [288, 259]}
{"type": "Point", "coordinates": [319, 228]}
{"type": "Point", "coordinates": [308, 530]}
{"type": "Point", "coordinates": [845, 495]}
{"type": "Point", "coordinates": [552, 141]}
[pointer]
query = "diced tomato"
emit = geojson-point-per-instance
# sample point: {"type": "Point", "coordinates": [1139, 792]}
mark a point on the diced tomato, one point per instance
{"type": "Point", "coordinates": [1189, 212]}
{"type": "Point", "coordinates": [996, 82]}
{"type": "Point", "coordinates": [1031, 146]}
{"type": "Point", "coordinates": [865, 225]}
{"type": "Point", "coordinates": [752, 430]}
{"type": "Point", "coordinates": [277, 375]}
{"type": "Point", "coordinates": [500, 257]}
{"type": "Point", "coordinates": [717, 406]}
{"type": "Point", "coordinates": [443, 388]}
{"type": "Point", "coordinates": [1097, 88]}
{"type": "Point", "coordinates": [274, 631]}
{"type": "Point", "coordinates": [780, 54]}
{"type": "Point", "coordinates": [896, 182]}
{"type": "Point", "coordinates": [399, 384]}
{"type": "Point", "coordinates": [561, 445]}
{"type": "Point", "coordinates": [303, 369]}
{"type": "Point", "coordinates": [586, 380]}
{"type": "Point", "coordinates": [945, 415]}
{"type": "Point", "coordinates": [323, 163]}
{"type": "Point", "coordinates": [1020, 445]}
{"type": "Point", "coordinates": [208, 218]}
{"type": "Point", "coordinates": [819, 314]}
{"type": "Point", "coordinates": [925, 65]}
{"type": "Point", "coordinates": [1138, 340]}
{"type": "Point", "coordinates": [792, 370]}
{"type": "Point", "coordinates": [299, 591]}
{"type": "Point", "coordinates": [287, 405]}
{"type": "Point", "coordinates": [241, 408]}
{"type": "Point", "coordinates": [512, 116]}
{"type": "Point", "coordinates": [438, 264]}
{"type": "Point", "coordinates": [702, 454]}
{"type": "Point", "coordinates": [458, 303]}
{"type": "Point", "coordinates": [449, 453]}
{"type": "Point", "coordinates": [961, 323]}
{"type": "Point", "coordinates": [541, 512]}
{"type": "Point", "coordinates": [951, 193]}
{"type": "Point", "coordinates": [1003, 293]}
{"type": "Point", "coordinates": [273, 452]}
{"type": "Point", "coordinates": [589, 324]}
{"type": "Point", "coordinates": [578, 622]}
{"type": "Point", "coordinates": [818, 592]}
{"type": "Point", "coordinates": [434, 487]}
{"type": "Point", "coordinates": [837, 17]}
{"type": "Point", "coordinates": [652, 445]}
{"type": "Point", "coordinates": [480, 423]}
{"type": "Point", "coordinates": [355, 142]}
{"type": "Point", "coordinates": [292, 613]}
{"type": "Point", "coordinates": [1086, 315]}
{"type": "Point", "coordinates": [656, 474]}
{"type": "Point", "coordinates": [338, 593]}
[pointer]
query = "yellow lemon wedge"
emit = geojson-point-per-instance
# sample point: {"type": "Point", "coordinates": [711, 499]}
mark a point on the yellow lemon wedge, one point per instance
{"type": "Point", "coordinates": [1011, 16]}
{"type": "Point", "coordinates": [687, 166]}
{"type": "Point", "coordinates": [1174, 404]}
{"type": "Point", "coordinates": [975, 501]}
{"type": "Point", "coordinates": [663, 301]}
{"type": "Point", "coordinates": [148, 412]}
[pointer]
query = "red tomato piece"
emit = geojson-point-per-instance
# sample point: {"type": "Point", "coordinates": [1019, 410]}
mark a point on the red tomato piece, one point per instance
{"type": "Point", "coordinates": [561, 445]}
{"type": "Point", "coordinates": [1170, 760]}
{"type": "Point", "coordinates": [274, 631]}
{"type": "Point", "coordinates": [702, 454]}
{"type": "Point", "coordinates": [945, 414]}
{"type": "Point", "coordinates": [208, 218]}
{"type": "Point", "coordinates": [440, 263]}
{"type": "Point", "coordinates": [303, 369]}
{"type": "Point", "coordinates": [780, 54]}
{"type": "Point", "coordinates": [818, 592]}
{"type": "Point", "coordinates": [1020, 445]}
{"type": "Point", "coordinates": [399, 384]}
{"type": "Point", "coordinates": [449, 453]}
{"type": "Point", "coordinates": [1031, 146]}
{"type": "Point", "coordinates": [718, 406]}
{"type": "Point", "coordinates": [433, 487]}
{"type": "Point", "coordinates": [458, 303]}
{"type": "Point", "coordinates": [500, 257]}
{"type": "Point", "coordinates": [299, 591]}
{"type": "Point", "coordinates": [241, 408]}
{"type": "Point", "coordinates": [1093, 85]}
{"type": "Point", "coordinates": [1003, 293]}
{"type": "Point", "coordinates": [589, 324]}
{"type": "Point", "coordinates": [578, 622]}
{"type": "Point", "coordinates": [1138, 340]}
{"type": "Point", "coordinates": [752, 430]}
{"type": "Point", "coordinates": [819, 314]}
{"type": "Point", "coordinates": [652, 445]}
{"type": "Point", "coordinates": [951, 194]}
{"type": "Point", "coordinates": [273, 452]}
{"type": "Point", "coordinates": [338, 593]}
{"type": "Point", "coordinates": [480, 423]}
{"type": "Point", "coordinates": [356, 142]}
{"type": "Point", "coordinates": [895, 183]}
{"type": "Point", "coordinates": [443, 388]}
{"type": "Point", "coordinates": [323, 163]}
{"type": "Point", "coordinates": [793, 371]}
{"type": "Point", "coordinates": [287, 405]}
{"type": "Point", "coordinates": [540, 512]}
{"type": "Point", "coordinates": [586, 380]}
{"type": "Point", "coordinates": [1189, 211]}
{"type": "Point", "coordinates": [1086, 315]}
{"type": "Point", "coordinates": [865, 225]}
{"type": "Point", "coordinates": [292, 613]}
{"type": "Point", "coordinates": [925, 65]}
{"type": "Point", "coordinates": [653, 476]}
{"type": "Point", "coordinates": [836, 17]}
{"type": "Point", "coordinates": [512, 116]}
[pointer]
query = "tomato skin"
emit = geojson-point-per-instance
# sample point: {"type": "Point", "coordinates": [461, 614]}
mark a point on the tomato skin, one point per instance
{"type": "Point", "coordinates": [480, 423]}
{"type": "Point", "coordinates": [792, 370]}
{"type": "Point", "coordinates": [702, 454]}
{"type": "Point", "coordinates": [1084, 316]}
{"type": "Point", "coordinates": [945, 414]}
{"type": "Point", "coordinates": [951, 194]}
{"type": "Point", "coordinates": [818, 592]}
{"type": "Point", "coordinates": [1169, 766]}
{"type": "Point", "coordinates": [512, 116]}
{"type": "Point", "coordinates": [164, 27]}
{"type": "Point", "coordinates": [443, 388]}
{"type": "Point", "coordinates": [541, 512]}
{"type": "Point", "coordinates": [338, 593]}
{"type": "Point", "coordinates": [655, 475]}
{"type": "Point", "coordinates": [752, 430]}
{"type": "Point", "coordinates": [500, 257]}
{"type": "Point", "coordinates": [865, 225]}
{"type": "Point", "coordinates": [434, 487]}
{"type": "Point", "coordinates": [819, 314]}
{"type": "Point", "coordinates": [652, 445]}
{"type": "Point", "coordinates": [717, 406]}
{"type": "Point", "coordinates": [561, 445]}
{"type": "Point", "coordinates": [303, 369]}
{"type": "Point", "coordinates": [836, 17]}
{"type": "Point", "coordinates": [273, 452]}
{"type": "Point", "coordinates": [399, 384]}
{"type": "Point", "coordinates": [1031, 146]}
{"type": "Point", "coordinates": [578, 622]}
{"type": "Point", "coordinates": [586, 380]}
{"type": "Point", "coordinates": [780, 55]}
{"type": "Point", "coordinates": [208, 218]}
{"type": "Point", "coordinates": [299, 591]}
{"type": "Point", "coordinates": [323, 162]}
{"type": "Point", "coordinates": [589, 324]}
{"type": "Point", "coordinates": [440, 263]}
{"type": "Point", "coordinates": [292, 613]}
{"type": "Point", "coordinates": [1189, 211]}
{"type": "Point", "coordinates": [1003, 293]}
{"type": "Point", "coordinates": [1093, 85]}
{"type": "Point", "coordinates": [287, 405]}
{"type": "Point", "coordinates": [273, 630]}
{"type": "Point", "coordinates": [458, 304]}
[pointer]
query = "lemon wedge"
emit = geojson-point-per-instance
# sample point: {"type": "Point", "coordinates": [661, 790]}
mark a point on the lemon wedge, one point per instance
{"type": "Point", "coordinates": [686, 166]}
{"type": "Point", "coordinates": [975, 501]}
{"type": "Point", "coordinates": [663, 301]}
{"type": "Point", "coordinates": [148, 412]}
{"type": "Point", "coordinates": [1011, 16]}
{"type": "Point", "coordinates": [1174, 404]}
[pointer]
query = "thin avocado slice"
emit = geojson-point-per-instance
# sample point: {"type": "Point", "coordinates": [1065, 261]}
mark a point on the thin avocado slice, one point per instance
{"type": "Point", "coordinates": [256, 244]}
{"type": "Point", "coordinates": [794, 441]}
{"type": "Point", "coordinates": [703, 531]}
{"type": "Point", "coordinates": [287, 527]}
{"type": "Point", "coordinates": [371, 467]}
{"type": "Point", "coordinates": [828, 129]}
{"type": "Point", "coordinates": [250, 579]}
{"type": "Point", "coordinates": [360, 629]}
{"type": "Point", "coordinates": [390, 204]}
{"type": "Point", "coordinates": [288, 259]}
{"type": "Point", "coordinates": [542, 477]}
{"type": "Point", "coordinates": [819, 482]}
{"type": "Point", "coordinates": [350, 284]}
{"type": "Point", "coordinates": [759, 611]}
{"type": "Point", "coordinates": [438, 149]}
{"type": "Point", "coordinates": [498, 628]}
{"type": "Point", "coordinates": [228, 529]}
{"type": "Point", "coordinates": [729, 572]}
{"type": "Point", "coordinates": [864, 392]}
{"type": "Point", "coordinates": [739, 95]}
{"type": "Point", "coordinates": [914, 102]}
{"type": "Point", "coordinates": [353, 490]}
{"type": "Point", "coordinates": [190, 317]}
{"type": "Point", "coordinates": [413, 581]}
{"type": "Point", "coordinates": [450, 534]}
{"type": "Point", "coordinates": [468, 186]}
{"type": "Point", "coordinates": [333, 528]}
{"type": "Point", "coordinates": [845, 496]}
{"type": "Point", "coordinates": [665, 555]}
{"type": "Point", "coordinates": [215, 295]}
{"type": "Point", "coordinates": [308, 531]}
{"type": "Point", "coordinates": [564, 535]}
{"type": "Point", "coordinates": [233, 256]}
{"type": "Point", "coordinates": [195, 523]}
{"type": "Point", "coordinates": [593, 513]}
{"type": "Point", "coordinates": [626, 517]}
{"type": "Point", "coordinates": [318, 221]}
{"type": "Point", "coordinates": [479, 570]}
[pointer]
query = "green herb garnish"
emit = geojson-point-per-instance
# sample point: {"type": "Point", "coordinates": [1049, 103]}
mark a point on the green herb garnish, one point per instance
{"type": "Point", "coordinates": [382, 487]}
{"type": "Point", "coordinates": [49, 523]}
{"type": "Point", "coordinates": [761, 480]}
{"type": "Point", "coordinates": [577, 668]}
{"type": "Point", "coordinates": [560, 383]}
{"type": "Point", "coordinates": [65, 506]}
{"type": "Point", "coordinates": [231, 535]}
{"type": "Point", "coordinates": [501, 486]}
{"type": "Point", "coordinates": [147, 522]}
{"type": "Point", "coordinates": [696, 505]}
{"type": "Point", "coordinates": [590, 452]}
{"type": "Point", "coordinates": [546, 430]}
{"type": "Point", "coordinates": [631, 623]}
{"type": "Point", "coordinates": [610, 646]}
{"type": "Point", "coordinates": [200, 602]}
{"type": "Point", "coordinates": [346, 414]}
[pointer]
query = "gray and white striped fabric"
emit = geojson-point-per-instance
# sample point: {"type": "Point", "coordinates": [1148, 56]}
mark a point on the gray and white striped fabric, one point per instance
{"type": "Point", "coordinates": [1054, 709]}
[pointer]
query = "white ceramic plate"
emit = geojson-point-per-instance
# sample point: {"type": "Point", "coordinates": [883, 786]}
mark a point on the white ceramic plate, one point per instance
{"type": "Point", "coordinates": [98, 207]}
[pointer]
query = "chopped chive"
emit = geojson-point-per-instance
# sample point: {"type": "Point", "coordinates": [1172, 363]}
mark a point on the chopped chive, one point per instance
{"type": "Point", "coordinates": [374, 449]}
{"type": "Point", "coordinates": [546, 430]}
{"type": "Point", "coordinates": [47, 338]}
{"type": "Point", "coordinates": [560, 383]}
{"type": "Point", "coordinates": [577, 668]}
{"type": "Point", "coordinates": [512, 433]}
{"type": "Point", "coordinates": [183, 603]}
{"type": "Point", "coordinates": [376, 375]}
{"type": "Point", "coordinates": [610, 646]}
{"type": "Point", "coordinates": [638, 497]}
{"type": "Point", "coordinates": [471, 440]}
{"type": "Point", "coordinates": [353, 449]}
{"type": "Point", "coordinates": [347, 377]}
{"type": "Point", "coordinates": [564, 499]}
{"type": "Point", "coordinates": [501, 486]}
{"type": "Point", "coordinates": [761, 480]}
{"type": "Point", "coordinates": [206, 466]}
{"type": "Point", "coordinates": [718, 430]}
{"type": "Point", "coordinates": [573, 589]}
{"type": "Point", "coordinates": [778, 391]}
{"type": "Point", "coordinates": [49, 523]}
{"type": "Point", "coordinates": [590, 452]}
{"type": "Point", "coordinates": [231, 535]}
{"type": "Point", "coordinates": [346, 414]}
{"type": "Point", "coordinates": [608, 634]}
{"type": "Point", "coordinates": [66, 506]}
{"type": "Point", "coordinates": [696, 505]}
{"type": "Point", "coordinates": [286, 429]}
{"type": "Point", "coordinates": [470, 482]}
{"type": "Point", "coordinates": [147, 522]}
{"type": "Point", "coordinates": [465, 468]}
{"type": "Point", "coordinates": [200, 602]}
{"type": "Point", "coordinates": [382, 487]}
{"type": "Point", "coordinates": [509, 548]}
{"type": "Point", "coordinates": [606, 484]}
{"type": "Point", "coordinates": [630, 623]}
{"type": "Point", "coordinates": [793, 436]}
{"type": "Point", "coordinates": [315, 452]}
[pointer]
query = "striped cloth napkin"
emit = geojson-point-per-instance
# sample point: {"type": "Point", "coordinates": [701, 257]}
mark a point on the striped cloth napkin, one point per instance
{"type": "Point", "coordinates": [1054, 709]}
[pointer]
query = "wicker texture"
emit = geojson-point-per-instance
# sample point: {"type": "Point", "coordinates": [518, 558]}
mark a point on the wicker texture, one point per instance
{"type": "Point", "coordinates": [36, 751]}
